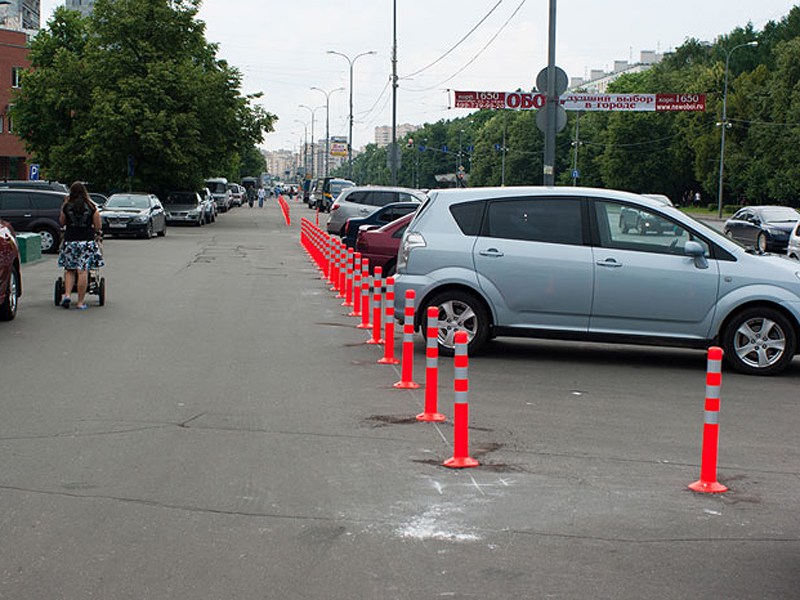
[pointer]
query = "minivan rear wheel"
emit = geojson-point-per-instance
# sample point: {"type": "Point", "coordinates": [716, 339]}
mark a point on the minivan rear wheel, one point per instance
{"type": "Point", "coordinates": [759, 341]}
{"type": "Point", "coordinates": [50, 239]}
{"type": "Point", "coordinates": [460, 311]}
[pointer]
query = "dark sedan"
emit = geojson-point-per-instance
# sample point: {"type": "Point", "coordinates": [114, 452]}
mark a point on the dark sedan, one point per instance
{"type": "Point", "coordinates": [766, 228]}
{"type": "Point", "coordinates": [10, 280]}
{"type": "Point", "coordinates": [380, 245]}
{"type": "Point", "coordinates": [380, 217]}
{"type": "Point", "coordinates": [134, 214]}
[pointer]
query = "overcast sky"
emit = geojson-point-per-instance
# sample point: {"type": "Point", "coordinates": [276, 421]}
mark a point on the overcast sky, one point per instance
{"type": "Point", "coordinates": [280, 47]}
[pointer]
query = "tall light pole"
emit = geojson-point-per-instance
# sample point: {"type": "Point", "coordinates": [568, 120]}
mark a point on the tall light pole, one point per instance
{"type": "Point", "coordinates": [724, 123]}
{"type": "Point", "coordinates": [350, 117]}
{"type": "Point", "coordinates": [327, 122]}
{"type": "Point", "coordinates": [312, 111]}
{"type": "Point", "coordinates": [305, 146]}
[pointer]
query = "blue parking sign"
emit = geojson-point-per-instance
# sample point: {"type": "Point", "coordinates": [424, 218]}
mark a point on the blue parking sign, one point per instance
{"type": "Point", "coordinates": [34, 173]}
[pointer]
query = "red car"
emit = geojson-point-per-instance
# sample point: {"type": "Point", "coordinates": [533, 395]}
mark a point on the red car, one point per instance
{"type": "Point", "coordinates": [380, 245]}
{"type": "Point", "coordinates": [10, 280]}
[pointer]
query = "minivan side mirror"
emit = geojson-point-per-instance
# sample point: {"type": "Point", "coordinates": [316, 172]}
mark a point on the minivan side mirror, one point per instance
{"type": "Point", "coordinates": [696, 250]}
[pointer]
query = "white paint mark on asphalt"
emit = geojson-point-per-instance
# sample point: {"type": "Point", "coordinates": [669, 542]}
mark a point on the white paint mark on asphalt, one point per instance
{"type": "Point", "coordinates": [438, 486]}
{"type": "Point", "coordinates": [708, 511]}
{"type": "Point", "coordinates": [435, 524]}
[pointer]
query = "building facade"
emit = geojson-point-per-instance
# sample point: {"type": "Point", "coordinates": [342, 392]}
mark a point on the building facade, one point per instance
{"type": "Point", "coordinates": [85, 7]}
{"type": "Point", "coordinates": [13, 61]}
{"type": "Point", "coordinates": [383, 134]}
{"type": "Point", "coordinates": [20, 15]}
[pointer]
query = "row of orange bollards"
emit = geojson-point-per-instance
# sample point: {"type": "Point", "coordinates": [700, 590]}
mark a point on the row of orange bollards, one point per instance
{"type": "Point", "coordinates": [348, 274]}
{"type": "Point", "coordinates": [347, 271]}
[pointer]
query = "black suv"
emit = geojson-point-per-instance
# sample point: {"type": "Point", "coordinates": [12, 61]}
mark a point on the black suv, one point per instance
{"type": "Point", "coordinates": [36, 211]}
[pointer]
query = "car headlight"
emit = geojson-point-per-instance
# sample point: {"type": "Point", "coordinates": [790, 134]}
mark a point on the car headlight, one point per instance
{"type": "Point", "coordinates": [140, 218]}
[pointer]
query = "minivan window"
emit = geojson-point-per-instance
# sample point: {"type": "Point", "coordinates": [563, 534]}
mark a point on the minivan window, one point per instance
{"type": "Point", "coordinates": [468, 216]}
{"type": "Point", "coordinates": [553, 220]}
{"type": "Point", "coordinates": [14, 201]}
{"type": "Point", "coordinates": [357, 197]}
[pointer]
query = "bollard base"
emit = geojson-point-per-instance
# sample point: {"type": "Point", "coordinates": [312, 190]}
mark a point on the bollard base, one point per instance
{"type": "Point", "coordinates": [708, 487]}
{"type": "Point", "coordinates": [431, 417]}
{"type": "Point", "coordinates": [388, 361]}
{"type": "Point", "coordinates": [374, 342]}
{"type": "Point", "coordinates": [407, 385]}
{"type": "Point", "coordinates": [460, 462]}
{"type": "Point", "coordinates": [364, 326]}
{"type": "Point", "coordinates": [354, 313]}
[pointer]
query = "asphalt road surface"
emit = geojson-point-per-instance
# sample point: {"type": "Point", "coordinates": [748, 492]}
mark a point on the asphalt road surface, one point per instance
{"type": "Point", "coordinates": [219, 430]}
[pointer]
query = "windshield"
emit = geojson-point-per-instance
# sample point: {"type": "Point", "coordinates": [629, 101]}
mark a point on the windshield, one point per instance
{"type": "Point", "coordinates": [216, 187]}
{"type": "Point", "coordinates": [772, 215]}
{"type": "Point", "coordinates": [125, 201]}
{"type": "Point", "coordinates": [181, 199]}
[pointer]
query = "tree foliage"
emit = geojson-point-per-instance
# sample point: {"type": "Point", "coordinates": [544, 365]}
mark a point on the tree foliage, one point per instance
{"type": "Point", "coordinates": [134, 97]}
{"type": "Point", "coordinates": [668, 153]}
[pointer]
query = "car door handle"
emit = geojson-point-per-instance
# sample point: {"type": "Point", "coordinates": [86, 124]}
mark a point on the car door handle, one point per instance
{"type": "Point", "coordinates": [27, 215]}
{"type": "Point", "coordinates": [491, 252]}
{"type": "Point", "coordinates": [609, 262]}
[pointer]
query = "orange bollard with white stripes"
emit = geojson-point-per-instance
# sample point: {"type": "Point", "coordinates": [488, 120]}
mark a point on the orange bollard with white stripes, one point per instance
{"type": "Point", "coordinates": [388, 326]}
{"type": "Point", "coordinates": [365, 324]}
{"type": "Point", "coordinates": [461, 457]}
{"type": "Point", "coordinates": [356, 287]}
{"type": "Point", "coordinates": [348, 279]}
{"type": "Point", "coordinates": [407, 370]}
{"type": "Point", "coordinates": [708, 466]}
{"type": "Point", "coordinates": [432, 369]}
{"type": "Point", "coordinates": [377, 288]}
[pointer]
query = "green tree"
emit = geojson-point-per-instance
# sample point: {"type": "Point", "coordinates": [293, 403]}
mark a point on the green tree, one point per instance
{"type": "Point", "coordinates": [134, 96]}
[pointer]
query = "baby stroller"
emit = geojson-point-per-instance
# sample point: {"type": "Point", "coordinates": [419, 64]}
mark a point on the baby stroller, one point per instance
{"type": "Point", "coordinates": [96, 285]}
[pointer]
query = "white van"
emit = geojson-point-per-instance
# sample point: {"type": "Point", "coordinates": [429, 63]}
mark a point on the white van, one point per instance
{"type": "Point", "coordinates": [222, 195]}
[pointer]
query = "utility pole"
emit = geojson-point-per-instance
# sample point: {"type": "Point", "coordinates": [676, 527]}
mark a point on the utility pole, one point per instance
{"type": "Point", "coordinates": [394, 153]}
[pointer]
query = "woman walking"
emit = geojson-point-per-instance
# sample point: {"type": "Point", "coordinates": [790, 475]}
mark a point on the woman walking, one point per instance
{"type": "Point", "coordinates": [80, 250]}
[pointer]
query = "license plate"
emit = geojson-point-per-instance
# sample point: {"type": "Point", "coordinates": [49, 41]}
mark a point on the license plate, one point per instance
{"type": "Point", "coordinates": [118, 225]}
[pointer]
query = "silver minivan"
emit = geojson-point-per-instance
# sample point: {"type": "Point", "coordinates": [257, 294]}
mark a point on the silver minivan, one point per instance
{"type": "Point", "coordinates": [554, 262]}
{"type": "Point", "coordinates": [360, 202]}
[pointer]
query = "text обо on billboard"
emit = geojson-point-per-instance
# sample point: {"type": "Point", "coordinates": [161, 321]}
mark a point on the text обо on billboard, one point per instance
{"type": "Point", "coordinates": [583, 102]}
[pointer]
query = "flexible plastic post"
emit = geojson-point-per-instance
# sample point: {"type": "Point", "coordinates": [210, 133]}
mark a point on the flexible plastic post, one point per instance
{"type": "Point", "coordinates": [356, 287]}
{"type": "Point", "coordinates": [431, 412]}
{"type": "Point", "coordinates": [348, 279]}
{"type": "Point", "coordinates": [407, 370]}
{"type": "Point", "coordinates": [377, 285]}
{"type": "Point", "coordinates": [388, 326]}
{"type": "Point", "coordinates": [708, 467]}
{"type": "Point", "coordinates": [461, 458]}
{"type": "Point", "coordinates": [365, 324]}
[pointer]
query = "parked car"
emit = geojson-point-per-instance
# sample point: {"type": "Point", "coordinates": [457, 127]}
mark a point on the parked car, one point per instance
{"type": "Point", "coordinates": [187, 207]}
{"type": "Point", "coordinates": [99, 199]}
{"type": "Point", "coordinates": [554, 263]}
{"type": "Point", "coordinates": [381, 245]}
{"type": "Point", "coordinates": [793, 249]}
{"type": "Point", "coordinates": [766, 228]}
{"type": "Point", "coordinates": [35, 211]}
{"type": "Point", "coordinates": [137, 214]}
{"type": "Point", "coordinates": [221, 193]}
{"type": "Point", "coordinates": [360, 202]}
{"type": "Point", "coordinates": [325, 191]}
{"type": "Point", "coordinates": [380, 217]}
{"type": "Point", "coordinates": [10, 278]}
{"type": "Point", "coordinates": [237, 194]}
{"type": "Point", "coordinates": [35, 184]}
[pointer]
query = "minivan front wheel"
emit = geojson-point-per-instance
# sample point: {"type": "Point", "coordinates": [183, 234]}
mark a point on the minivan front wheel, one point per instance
{"type": "Point", "coordinates": [460, 311]}
{"type": "Point", "coordinates": [759, 341]}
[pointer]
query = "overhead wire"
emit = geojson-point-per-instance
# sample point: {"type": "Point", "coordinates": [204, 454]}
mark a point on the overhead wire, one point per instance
{"type": "Point", "coordinates": [457, 44]}
{"type": "Point", "coordinates": [474, 58]}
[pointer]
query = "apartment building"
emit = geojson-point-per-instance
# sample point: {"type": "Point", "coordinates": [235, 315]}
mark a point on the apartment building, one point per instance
{"type": "Point", "coordinates": [13, 61]}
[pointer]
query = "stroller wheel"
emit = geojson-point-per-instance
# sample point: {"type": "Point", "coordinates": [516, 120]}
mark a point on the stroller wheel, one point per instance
{"type": "Point", "coordinates": [58, 291]}
{"type": "Point", "coordinates": [101, 291]}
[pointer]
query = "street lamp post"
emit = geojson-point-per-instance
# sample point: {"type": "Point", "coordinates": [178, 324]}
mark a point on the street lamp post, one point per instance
{"type": "Point", "coordinates": [305, 146]}
{"type": "Point", "coordinates": [327, 122]}
{"type": "Point", "coordinates": [350, 117]}
{"type": "Point", "coordinates": [312, 111]}
{"type": "Point", "coordinates": [724, 123]}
